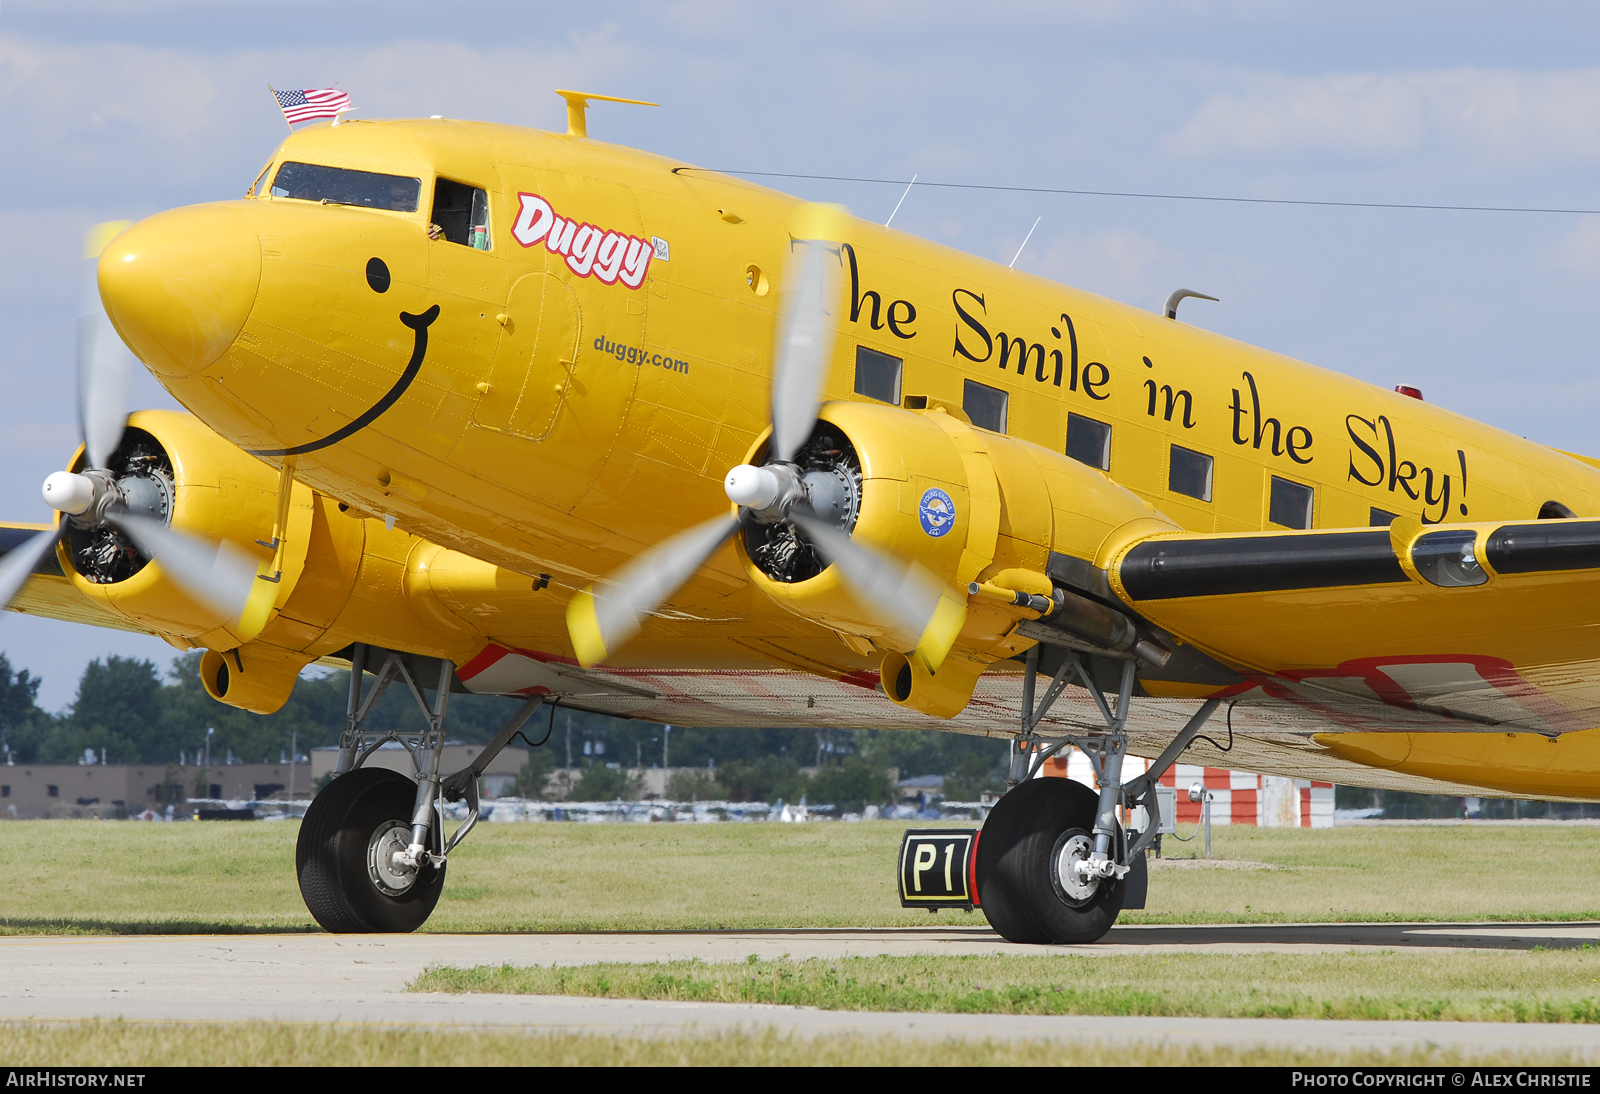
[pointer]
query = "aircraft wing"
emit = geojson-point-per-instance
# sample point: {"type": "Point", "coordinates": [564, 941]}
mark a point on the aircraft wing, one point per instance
{"type": "Point", "coordinates": [49, 593]}
{"type": "Point", "coordinates": [1441, 627]}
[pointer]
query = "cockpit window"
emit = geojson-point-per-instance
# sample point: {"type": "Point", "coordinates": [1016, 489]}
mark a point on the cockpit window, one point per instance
{"type": "Point", "coordinates": [461, 213]}
{"type": "Point", "coordinates": [259, 187]}
{"type": "Point", "coordinates": [342, 186]}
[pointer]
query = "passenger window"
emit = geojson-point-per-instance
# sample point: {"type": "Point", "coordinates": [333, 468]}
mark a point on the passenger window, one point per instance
{"type": "Point", "coordinates": [1380, 518]}
{"type": "Point", "coordinates": [1189, 473]}
{"type": "Point", "coordinates": [985, 405]}
{"type": "Point", "coordinates": [1290, 504]}
{"type": "Point", "coordinates": [461, 213]}
{"type": "Point", "coordinates": [1089, 441]}
{"type": "Point", "coordinates": [878, 375]}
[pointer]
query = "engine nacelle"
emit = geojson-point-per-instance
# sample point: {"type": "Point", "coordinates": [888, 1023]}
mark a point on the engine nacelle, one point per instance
{"type": "Point", "coordinates": [345, 577]}
{"type": "Point", "coordinates": [172, 467]}
{"type": "Point", "coordinates": [874, 465]}
{"type": "Point", "coordinates": [966, 504]}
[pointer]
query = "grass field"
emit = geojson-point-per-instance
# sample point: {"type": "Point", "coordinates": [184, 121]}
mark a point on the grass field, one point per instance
{"type": "Point", "coordinates": [125, 877]}
{"type": "Point", "coordinates": [1541, 986]}
{"type": "Point", "coordinates": [269, 1044]}
{"type": "Point", "coordinates": [110, 877]}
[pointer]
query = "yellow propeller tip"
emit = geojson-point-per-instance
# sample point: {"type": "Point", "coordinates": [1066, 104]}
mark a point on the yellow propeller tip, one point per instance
{"type": "Point", "coordinates": [942, 630]}
{"type": "Point", "coordinates": [583, 626]}
{"type": "Point", "coordinates": [257, 609]}
{"type": "Point", "coordinates": [817, 220]}
{"type": "Point", "coordinates": [96, 238]}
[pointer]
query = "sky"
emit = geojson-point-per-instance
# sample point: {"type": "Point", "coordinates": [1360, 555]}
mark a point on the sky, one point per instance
{"type": "Point", "coordinates": [121, 108]}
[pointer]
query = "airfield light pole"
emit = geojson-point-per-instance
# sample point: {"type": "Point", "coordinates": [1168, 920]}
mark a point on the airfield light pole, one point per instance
{"type": "Point", "coordinates": [209, 731]}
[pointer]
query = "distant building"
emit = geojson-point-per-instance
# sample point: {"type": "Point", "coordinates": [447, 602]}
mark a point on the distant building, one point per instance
{"type": "Point", "coordinates": [921, 791]}
{"type": "Point", "coordinates": [35, 791]}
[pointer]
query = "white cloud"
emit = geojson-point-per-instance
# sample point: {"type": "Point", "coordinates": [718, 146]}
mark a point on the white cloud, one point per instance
{"type": "Point", "coordinates": [1118, 263]}
{"type": "Point", "coordinates": [1500, 119]}
{"type": "Point", "coordinates": [140, 122]}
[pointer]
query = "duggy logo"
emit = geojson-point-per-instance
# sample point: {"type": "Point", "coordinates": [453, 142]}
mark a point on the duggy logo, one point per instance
{"type": "Point", "coordinates": [937, 512]}
{"type": "Point", "coordinates": [590, 251]}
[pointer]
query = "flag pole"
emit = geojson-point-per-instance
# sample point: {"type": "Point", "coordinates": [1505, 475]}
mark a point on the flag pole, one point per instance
{"type": "Point", "coordinates": [279, 105]}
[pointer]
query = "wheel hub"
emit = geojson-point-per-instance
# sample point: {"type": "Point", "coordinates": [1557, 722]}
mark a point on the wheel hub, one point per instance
{"type": "Point", "coordinates": [1072, 847]}
{"type": "Point", "coordinates": [389, 875]}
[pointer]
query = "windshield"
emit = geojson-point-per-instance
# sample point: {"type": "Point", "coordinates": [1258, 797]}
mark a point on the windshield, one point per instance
{"type": "Point", "coordinates": [342, 186]}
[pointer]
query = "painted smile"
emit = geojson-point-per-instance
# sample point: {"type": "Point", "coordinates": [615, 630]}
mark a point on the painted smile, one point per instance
{"type": "Point", "coordinates": [419, 324]}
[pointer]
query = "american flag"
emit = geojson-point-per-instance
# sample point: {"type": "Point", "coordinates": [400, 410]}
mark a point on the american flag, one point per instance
{"type": "Point", "coordinates": [305, 106]}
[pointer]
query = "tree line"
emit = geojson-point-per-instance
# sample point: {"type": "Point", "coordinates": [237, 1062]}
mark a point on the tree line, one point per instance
{"type": "Point", "coordinates": [130, 711]}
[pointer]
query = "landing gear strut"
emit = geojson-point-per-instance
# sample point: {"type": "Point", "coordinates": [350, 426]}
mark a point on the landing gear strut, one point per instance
{"type": "Point", "coordinates": [1053, 863]}
{"type": "Point", "coordinates": [372, 852]}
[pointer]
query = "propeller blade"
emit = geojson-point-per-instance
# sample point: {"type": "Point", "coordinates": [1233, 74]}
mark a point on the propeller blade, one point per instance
{"type": "Point", "coordinates": [904, 596]}
{"type": "Point", "coordinates": [805, 330]}
{"type": "Point", "coordinates": [19, 562]}
{"type": "Point", "coordinates": [218, 575]}
{"type": "Point", "coordinates": [601, 619]}
{"type": "Point", "coordinates": [103, 359]}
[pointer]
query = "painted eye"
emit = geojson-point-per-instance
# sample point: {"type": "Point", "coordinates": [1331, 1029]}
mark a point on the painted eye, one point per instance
{"type": "Point", "coordinates": [378, 275]}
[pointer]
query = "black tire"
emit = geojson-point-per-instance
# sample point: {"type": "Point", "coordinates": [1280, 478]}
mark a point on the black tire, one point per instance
{"type": "Point", "coordinates": [1015, 852]}
{"type": "Point", "coordinates": [331, 857]}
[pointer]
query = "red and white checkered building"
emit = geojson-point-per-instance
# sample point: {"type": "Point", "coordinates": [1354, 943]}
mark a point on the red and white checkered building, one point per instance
{"type": "Point", "coordinates": [1237, 797]}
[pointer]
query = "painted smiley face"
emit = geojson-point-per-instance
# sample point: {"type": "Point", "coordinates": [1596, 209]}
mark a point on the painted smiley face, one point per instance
{"type": "Point", "coordinates": [378, 280]}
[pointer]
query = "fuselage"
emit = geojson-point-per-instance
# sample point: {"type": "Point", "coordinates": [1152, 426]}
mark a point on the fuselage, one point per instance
{"type": "Point", "coordinates": [568, 380]}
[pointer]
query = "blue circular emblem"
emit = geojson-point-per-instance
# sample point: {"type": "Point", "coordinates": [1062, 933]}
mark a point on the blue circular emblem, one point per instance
{"type": "Point", "coordinates": [937, 512]}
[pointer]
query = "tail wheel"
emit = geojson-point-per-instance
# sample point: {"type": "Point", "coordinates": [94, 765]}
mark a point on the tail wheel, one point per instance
{"type": "Point", "coordinates": [1027, 892]}
{"type": "Point", "coordinates": [344, 856]}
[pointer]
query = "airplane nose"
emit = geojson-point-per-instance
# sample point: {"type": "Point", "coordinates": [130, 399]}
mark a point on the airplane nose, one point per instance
{"type": "Point", "coordinates": [179, 286]}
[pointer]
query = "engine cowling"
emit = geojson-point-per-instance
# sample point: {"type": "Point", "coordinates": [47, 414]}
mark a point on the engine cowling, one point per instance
{"type": "Point", "coordinates": [345, 576]}
{"type": "Point", "coordinates": [967, 504]}
{"type": "Point", "coordinates": [870, 466]}
{"type": "Point", "coordinates": [172, 468]}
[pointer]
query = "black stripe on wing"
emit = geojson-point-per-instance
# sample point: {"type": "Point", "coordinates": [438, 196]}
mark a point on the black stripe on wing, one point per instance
{"type": "Point", "coordinates": [1545, 546]}
{"type": "Point", "coordinates": [1169, 569]}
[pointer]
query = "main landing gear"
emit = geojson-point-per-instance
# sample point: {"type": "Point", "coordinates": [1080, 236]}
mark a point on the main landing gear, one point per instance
{"type": "Point", "coordinates": [1054, 866]}
{"type": "Point", "coordinates": [372, 851]}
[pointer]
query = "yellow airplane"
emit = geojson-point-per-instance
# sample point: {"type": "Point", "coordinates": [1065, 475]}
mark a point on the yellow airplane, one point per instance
{"type": "Point", "coordinates": [482, 408]}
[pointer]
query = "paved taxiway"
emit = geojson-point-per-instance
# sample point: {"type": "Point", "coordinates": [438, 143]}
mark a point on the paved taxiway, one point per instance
{"type": "Point", "coordinates": [362, 979]}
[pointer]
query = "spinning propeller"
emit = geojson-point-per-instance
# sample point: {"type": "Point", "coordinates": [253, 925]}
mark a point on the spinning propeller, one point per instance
{"type": "Point", "coordinates": [905, 597]}
{"type": "Point", "coordinates": [218, 575]}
